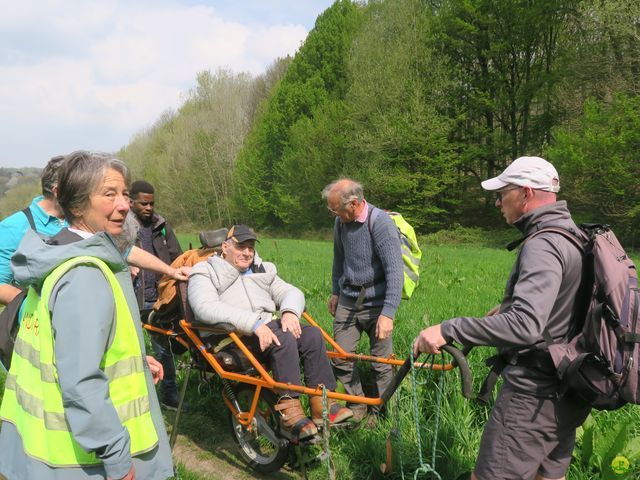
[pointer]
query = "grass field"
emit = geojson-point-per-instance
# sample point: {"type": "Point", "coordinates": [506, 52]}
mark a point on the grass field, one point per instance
{"type": "Point", "coordinates": [456, 280]}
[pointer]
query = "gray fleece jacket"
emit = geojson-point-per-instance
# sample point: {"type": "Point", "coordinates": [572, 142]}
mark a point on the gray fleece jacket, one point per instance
{"type": "Point", "coordinates": [82, 314]}
{"type": "Point", "coordinates": [540, 292]}
{"type": "Point", "coordinates": [219, 293]}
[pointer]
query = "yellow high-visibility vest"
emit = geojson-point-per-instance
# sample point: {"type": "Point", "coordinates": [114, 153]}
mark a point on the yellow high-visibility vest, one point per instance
{"type": "Point", "coordinates": [411, 254]}
{"type": "Point", "coordinates": [32, 399]}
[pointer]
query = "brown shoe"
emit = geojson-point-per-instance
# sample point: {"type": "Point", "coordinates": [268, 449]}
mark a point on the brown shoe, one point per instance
{"type": "Point", "coordinates": [336, 412]}
{"type": "Point", "coordinates": [294, 424]}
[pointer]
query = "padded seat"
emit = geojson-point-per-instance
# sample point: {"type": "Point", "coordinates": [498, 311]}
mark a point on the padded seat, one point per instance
{"type": "Point", "coordinates": [217, 341]}
{"type": "Point", "coordinates": [234, 360]}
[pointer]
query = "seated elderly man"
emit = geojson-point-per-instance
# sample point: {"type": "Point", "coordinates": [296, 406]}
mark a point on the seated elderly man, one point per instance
{"type": "Point", "coordinates": [238, 288]}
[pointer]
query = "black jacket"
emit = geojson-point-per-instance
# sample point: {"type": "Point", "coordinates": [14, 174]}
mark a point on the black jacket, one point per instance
{"type": "Point", "coordinates": [165, 246]}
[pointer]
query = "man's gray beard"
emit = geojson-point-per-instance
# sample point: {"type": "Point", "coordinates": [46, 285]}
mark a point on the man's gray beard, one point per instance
{"type": "Point", "coordinates": [129, 234]}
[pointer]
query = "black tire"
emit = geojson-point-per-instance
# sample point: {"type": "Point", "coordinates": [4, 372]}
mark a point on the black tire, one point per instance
{"type": "Point", "coordinates": [262, 454]}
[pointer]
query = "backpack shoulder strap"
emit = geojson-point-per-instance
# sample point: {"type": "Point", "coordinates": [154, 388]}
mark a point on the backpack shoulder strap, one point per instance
{"type": "Point", "coordinates": [586, 282]}
{"type": "Point", "coordinates": [29, 215]}
{"type": "Point", "coordinates": [569, 235]}
{"type": "Point", "coordinates": [575, 240]}
{"type": "Point", "coordinates": [374, 212]}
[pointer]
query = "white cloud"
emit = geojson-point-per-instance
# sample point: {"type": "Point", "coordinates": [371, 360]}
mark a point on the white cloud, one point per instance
{"type": "Point", "coordinates": [84, 66]}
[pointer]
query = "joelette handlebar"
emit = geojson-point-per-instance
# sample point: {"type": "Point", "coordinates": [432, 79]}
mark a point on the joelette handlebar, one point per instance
{"type": "Point", "coordinates": [459, 360]}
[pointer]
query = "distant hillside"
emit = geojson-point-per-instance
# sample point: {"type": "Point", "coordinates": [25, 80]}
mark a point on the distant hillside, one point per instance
{"type": "Point", "coordinates": [12, 177]}
{"type": "Point", "coordinates": [17, 187]}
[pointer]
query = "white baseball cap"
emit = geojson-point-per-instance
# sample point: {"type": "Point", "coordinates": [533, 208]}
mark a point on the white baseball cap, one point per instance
{"type": "Point", "coordinates": [534, 172]}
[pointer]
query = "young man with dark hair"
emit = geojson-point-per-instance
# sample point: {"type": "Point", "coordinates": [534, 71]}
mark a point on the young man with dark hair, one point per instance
{"type": "Point", "coordinates": [156, 237]}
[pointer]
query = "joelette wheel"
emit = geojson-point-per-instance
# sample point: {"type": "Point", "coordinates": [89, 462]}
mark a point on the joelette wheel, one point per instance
{"type": "Point", "coordinates": [261, 446]}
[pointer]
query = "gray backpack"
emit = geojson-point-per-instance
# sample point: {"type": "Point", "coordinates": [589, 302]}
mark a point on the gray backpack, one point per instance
{"type": "Point", "coordinates": [599, 358]}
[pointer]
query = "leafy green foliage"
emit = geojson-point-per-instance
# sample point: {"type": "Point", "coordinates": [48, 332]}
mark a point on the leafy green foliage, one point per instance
{"type": "Point", "coordinates": [398, 139]}
{"type": "Point", "coordinates": [419, 101]}
{"type": "Point", "coordinates": [189, 155]}
{"type": "Point", "coordinates": [599, 446]}
{"type": "Point", "coordinates": [599, 161]}
{"type": "Point", "coordinates": [503, 64]}
{"type": "Point", "coordinates": [283, 165]}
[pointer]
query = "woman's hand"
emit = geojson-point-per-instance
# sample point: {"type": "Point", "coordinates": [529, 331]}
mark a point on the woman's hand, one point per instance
{"type": "Point", "coordinates": [180, 274]}
{"type": "Point", "coordinates": [157, 372]}
{"type": "Point", "coordinates": [131, 475]}
{"type": "Point", "coordinates": [134, 272]}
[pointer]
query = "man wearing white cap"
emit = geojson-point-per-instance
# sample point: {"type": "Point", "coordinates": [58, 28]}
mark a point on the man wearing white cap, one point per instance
{"type": "Point", "coordinates": [531, 431]}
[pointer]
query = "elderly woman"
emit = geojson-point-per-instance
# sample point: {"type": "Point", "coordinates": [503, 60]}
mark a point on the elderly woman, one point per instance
{"type": "Point", "coordinates": [238, 288]}
{"type": "Point", "coordinates": [79, 400]}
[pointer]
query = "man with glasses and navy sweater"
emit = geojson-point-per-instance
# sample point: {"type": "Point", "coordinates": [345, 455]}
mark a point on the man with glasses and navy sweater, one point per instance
{"type": "Point", "coordinates": [367, 280]}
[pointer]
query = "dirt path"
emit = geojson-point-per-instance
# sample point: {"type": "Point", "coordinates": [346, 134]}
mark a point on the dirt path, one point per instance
{"type": "Point", "coordinates": [221, 462]}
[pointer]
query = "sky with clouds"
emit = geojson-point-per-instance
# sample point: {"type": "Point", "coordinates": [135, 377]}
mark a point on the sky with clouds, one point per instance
{"type": "Point", "coordinates": [85, 74]}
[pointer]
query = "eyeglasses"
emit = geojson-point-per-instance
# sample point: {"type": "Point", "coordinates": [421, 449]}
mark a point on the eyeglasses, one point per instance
{"type": "Point", "coordinates": [342, 207]}
{"type": "Point", "coordinates": [504, 190]}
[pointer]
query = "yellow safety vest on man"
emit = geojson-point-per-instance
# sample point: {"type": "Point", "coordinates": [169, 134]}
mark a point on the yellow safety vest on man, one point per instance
{"type": "Point", "coordinates": [33, 400]}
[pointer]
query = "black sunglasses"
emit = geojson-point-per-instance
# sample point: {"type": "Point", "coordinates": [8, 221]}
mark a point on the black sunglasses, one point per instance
{"type": "Point", "coordinates": [504, 190]}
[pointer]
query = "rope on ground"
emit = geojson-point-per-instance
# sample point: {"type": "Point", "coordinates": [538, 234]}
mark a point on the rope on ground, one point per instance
{"type": "Point", "coordinates": [325, 434]}
{"type": "Point", "coordinates": [425, 467]}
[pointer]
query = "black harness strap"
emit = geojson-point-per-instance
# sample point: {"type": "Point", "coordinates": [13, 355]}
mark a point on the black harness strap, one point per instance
{"type": "Point", "coordinates": [29, 215]}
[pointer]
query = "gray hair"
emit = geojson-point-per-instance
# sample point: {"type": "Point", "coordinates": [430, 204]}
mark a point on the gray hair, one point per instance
{"type": "Point", "coordinates": [348, 189]}
{"type": "Point", "coordinates": [129, 235]}
{"type": "Point", "coordinates": [80, 176]}
{"type": "Point", "coordinates": [49, 178]}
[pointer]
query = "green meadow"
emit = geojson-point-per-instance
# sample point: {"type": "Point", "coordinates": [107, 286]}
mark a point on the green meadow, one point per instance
{"type": "Point", "coordinates": [457, 279]}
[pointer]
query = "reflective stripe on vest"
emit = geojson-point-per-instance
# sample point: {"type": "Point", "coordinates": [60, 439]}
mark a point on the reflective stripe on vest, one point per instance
{"type": "Point", "coordinates": [32, 399]}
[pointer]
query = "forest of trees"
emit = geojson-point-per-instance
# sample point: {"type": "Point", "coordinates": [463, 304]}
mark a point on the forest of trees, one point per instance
{"type": "Point", "coordinates": [419, 100]}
